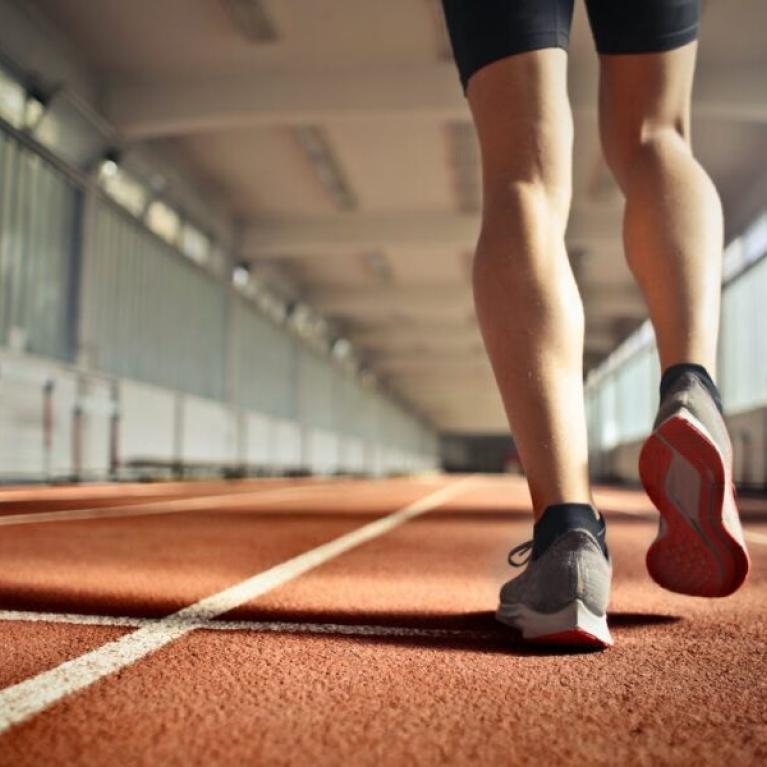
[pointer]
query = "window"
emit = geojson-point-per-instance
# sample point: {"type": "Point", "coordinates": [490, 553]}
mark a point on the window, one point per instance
{"type": "Point", "coordinates": [755, 239]}
{"type": "Point", "coordinates": [732, 259]}
{"type": "Point", "coordinates": [34, 110]}
{"type": "Point", "coordinates": [122, 188]}
{"type": "Point", "coordinates": [163, 221]}
{"type": "Point", "coordinates": [12, 100]}
{"type": "Point", "coordinates": [217, 260]}
{"type": "Point", "coordinates": [195, 244]}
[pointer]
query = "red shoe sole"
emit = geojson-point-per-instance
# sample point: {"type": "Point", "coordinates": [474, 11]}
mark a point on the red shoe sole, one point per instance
{"type": "Point", "coordinates": [573, 638]}
{"type": "Point", "coordinates": [684, 475]}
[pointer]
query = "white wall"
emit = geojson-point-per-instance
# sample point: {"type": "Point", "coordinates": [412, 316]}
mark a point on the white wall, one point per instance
{"type": "Point", "coordinates": [158, 426]}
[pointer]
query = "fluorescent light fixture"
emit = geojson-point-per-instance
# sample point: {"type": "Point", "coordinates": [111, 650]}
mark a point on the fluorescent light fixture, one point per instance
{"type": "Point", "coordinates": [315, 145]}
{"type": "Point", "coordinates": [251, 20]}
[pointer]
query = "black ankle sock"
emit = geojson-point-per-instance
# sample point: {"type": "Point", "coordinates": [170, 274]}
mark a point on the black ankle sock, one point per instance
{"type": "Point", "coordinates": [671, 375]}
{"type": "Point", "coordinates": [559, 518]}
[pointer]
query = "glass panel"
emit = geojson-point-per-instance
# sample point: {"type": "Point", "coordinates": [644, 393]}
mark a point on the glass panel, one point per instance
{"type": "Point", "coordinates": [38, 210]}
{"type": "Point", "coordinates": [163, 221]}
{"type": "Point", "coordinates": [195, 244]}
{"type": "Point", "coordinates": [12, 98]}
{"type": "Point", "coordinates": [122, 187]}
{"type": "Point", "coordinates": [155, 316]}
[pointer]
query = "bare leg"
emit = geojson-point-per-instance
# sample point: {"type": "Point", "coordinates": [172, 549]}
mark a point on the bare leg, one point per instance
{"type": "Point", "coordinates": [528, 306]}
{"type": "Point", "coordinates": [673, 232]}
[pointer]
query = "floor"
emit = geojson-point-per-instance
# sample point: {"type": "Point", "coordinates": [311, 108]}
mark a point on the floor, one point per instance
{"type": "Point", "coordinates": [347, 621]}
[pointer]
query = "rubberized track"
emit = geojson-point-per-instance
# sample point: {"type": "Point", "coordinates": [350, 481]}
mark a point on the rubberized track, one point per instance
{"type": "Point", "coordinates": [122, 640]}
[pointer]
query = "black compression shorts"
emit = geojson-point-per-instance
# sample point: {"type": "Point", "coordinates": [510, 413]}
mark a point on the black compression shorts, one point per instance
{"type": "Point", "coordinates": [482, 31]}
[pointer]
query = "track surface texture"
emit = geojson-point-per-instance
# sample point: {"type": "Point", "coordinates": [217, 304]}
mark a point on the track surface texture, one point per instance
{"type": "Point", "coordinates": [344, 621]}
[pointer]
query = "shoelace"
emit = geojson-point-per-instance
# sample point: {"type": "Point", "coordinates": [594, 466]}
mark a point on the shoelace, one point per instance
{"type": "Point", "coordinates": [521, 549]}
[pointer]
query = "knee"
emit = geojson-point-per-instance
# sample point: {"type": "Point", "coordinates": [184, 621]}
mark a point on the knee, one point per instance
{"type": "Point", "coordinates": [524, 210]}
{"type": "Point", "coordinates": [628, 148]}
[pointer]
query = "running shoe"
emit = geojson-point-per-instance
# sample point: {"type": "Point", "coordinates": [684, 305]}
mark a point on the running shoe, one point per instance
{"type": "Point", "coordinates": [561, 597]}
{"type": "Point", "coordinates": [686, 468]}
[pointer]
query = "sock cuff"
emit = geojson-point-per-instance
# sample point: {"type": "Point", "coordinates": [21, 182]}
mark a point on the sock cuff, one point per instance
{"type": "Point", "coordinates": [672, 373]}
{"type": "Point", "coordinates": [559, 518]}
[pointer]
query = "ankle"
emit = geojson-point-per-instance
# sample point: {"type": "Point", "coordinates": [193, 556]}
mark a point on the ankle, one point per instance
{"type": "Point", "coordinates": [673, 372]}
{"type": "Point", "coordinates": [559, 518]}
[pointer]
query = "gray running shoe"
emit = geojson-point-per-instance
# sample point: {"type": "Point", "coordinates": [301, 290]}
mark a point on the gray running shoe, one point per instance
{"type": "Point", "coordinates": [561, 598]}
{"type": "Point", "coordinates": [686, 468]}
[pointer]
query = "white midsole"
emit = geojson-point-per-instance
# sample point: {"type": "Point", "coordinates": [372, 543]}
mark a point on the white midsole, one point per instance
{"type": "Point", "coordinates": [573, 616]}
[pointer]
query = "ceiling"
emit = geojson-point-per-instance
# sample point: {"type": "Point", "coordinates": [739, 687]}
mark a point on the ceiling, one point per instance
{"type": "Point", "coordinates": [336, 134]}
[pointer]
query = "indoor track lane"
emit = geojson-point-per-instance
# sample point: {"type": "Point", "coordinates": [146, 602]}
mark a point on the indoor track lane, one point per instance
{"type": "Point", "coordinates": [39, 499]}
{"type": "Point", "coordinates": [388, 652]}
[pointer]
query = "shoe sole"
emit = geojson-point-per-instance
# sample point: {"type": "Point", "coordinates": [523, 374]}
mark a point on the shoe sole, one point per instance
{"type": "Point", "coordinates": [572, 626]}
{"type": "Point", "coordinates": [684, 474]}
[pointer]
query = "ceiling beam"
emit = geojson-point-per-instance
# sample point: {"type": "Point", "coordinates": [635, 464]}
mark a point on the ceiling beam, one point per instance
{"type": "Point", "coordinates": [412, 339]}
{"type": "Point", "coordinates": [289, 237]}
{"type": "Point", "coordinates": [421, 299]}
{"type": "Point", "coordinates": [177, 107]}
{"type": "Point", "coordinates": [284, 98]}
{"type": "Point", "coordinates": [455, 299]}
{"type": "Point", "coordinates": [418, 358]}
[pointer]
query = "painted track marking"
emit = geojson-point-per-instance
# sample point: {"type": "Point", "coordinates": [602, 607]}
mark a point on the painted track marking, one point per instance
{"type": "Point", "coordinates": [25, 699]}
{"type": "Point", "coordinates": [176, 506]}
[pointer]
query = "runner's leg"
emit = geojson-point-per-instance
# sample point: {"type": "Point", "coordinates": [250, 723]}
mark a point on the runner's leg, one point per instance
{"type": "Point", "coordinates": [673, 232]}
{"type": "Point", "coordinates": [528, 305]}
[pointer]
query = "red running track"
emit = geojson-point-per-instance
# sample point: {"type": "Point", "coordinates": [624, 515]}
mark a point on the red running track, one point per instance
{"type": "Point", "coordinates": [383, 651]}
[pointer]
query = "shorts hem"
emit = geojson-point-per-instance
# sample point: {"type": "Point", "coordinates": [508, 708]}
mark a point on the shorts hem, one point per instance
{"type": "Point", "coordinates": [535, 42]}
{"type": "Point", "coordinates": [658, 44]}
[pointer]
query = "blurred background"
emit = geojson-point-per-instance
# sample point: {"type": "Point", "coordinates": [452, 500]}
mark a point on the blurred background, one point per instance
{"type": "Point", "coordinates": [236, 239]}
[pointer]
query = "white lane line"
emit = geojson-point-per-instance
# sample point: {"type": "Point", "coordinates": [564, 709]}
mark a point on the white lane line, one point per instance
{"type": "Point", "coordinates": [140, 491]}
{"type": "Point", "coordinates": [284, 627]}
{"type": "Point", "coordinates": [25, 699]}
{"type": "Point", "coordinates": [181, 505]}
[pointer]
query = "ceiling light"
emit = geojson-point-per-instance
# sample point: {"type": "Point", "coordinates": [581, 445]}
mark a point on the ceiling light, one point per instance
{"type": "Point", "coordinates": [34, 108]}
{"type": "Point", "coordinates": [251, 20]}
{"type": "Point", "coordinates": [317, 149]}
{"type": "Point", "coordinates": [241, 275]}
{"type": "Point", "coordinates": [108, 168]}
{"type": "Point", "coordinates": [340, 348]}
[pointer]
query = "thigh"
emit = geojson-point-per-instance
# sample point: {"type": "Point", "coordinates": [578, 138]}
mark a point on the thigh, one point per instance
{"type": "Point", "coordinates": [642, 26]}
{"type": "Point", "coordinates": [642, 96]}
{"type": "Point", "coordinates": [522, 115]}
{"type": "Point", "coordinates": [484, 31]}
